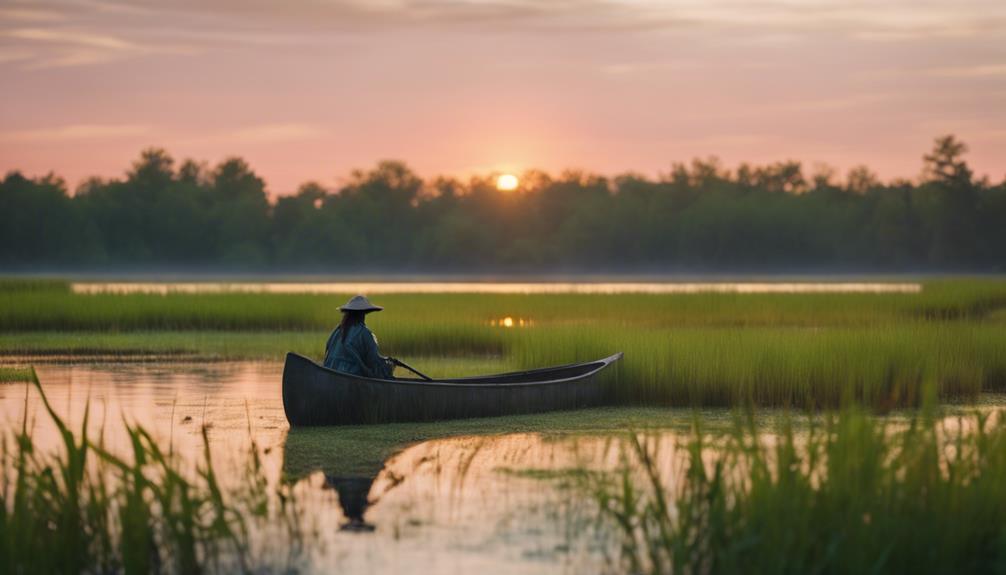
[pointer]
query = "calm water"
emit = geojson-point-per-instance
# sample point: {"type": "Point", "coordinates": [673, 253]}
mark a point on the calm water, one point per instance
{"type": "Point", "coordinates": [445, 506]}
{"type": "Point", "coordinates": [496, 287]}
{"type": "Point", "coordinates": [449, 505]}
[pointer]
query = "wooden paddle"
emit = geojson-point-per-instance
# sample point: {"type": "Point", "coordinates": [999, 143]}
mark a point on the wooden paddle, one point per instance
{"type": "Point", "coordinates": [401, 363]}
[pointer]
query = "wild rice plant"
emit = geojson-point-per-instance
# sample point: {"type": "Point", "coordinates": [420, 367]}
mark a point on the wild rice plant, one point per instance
{"type": "Point", "coordinates": [884, 367]}
{"type": "Point", "coordinates": [62, 310]}
{"type": "Point", "coordinates": [806, 350]}
{"type": "Point", "coordinates": [15, 374]}
{"type": "Point", "coordinates": [851, 494]}
{"type": "Point", "coordinates": [86, 510]}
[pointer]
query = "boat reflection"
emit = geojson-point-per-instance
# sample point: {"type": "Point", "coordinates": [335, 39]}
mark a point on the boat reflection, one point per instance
{"type": "Point", "coordinates": [446, 481]}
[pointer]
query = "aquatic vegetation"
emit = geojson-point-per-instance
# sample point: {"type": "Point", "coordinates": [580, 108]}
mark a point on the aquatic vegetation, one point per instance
{"type": "Point", "coordinates": [462, 320]}
{"type": "Point", "coordinates": [9, 285]}
{"type": "Point", "coordinates": [16, 374]}
{"type": "Point", "coordinates": [85, 509]}
{"type": "Point", "coordinates": [884, 366]}
{"type": "Point", "coordinates": [851, 494]}
{"type": "Point", "coordinates": [801, 349]}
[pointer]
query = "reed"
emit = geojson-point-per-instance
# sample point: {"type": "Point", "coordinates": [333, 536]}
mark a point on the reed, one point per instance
{"type": "Point", "coordinates": [803, 350]}
{"type": "Point", "coordinates": [86, 510]}
{"type": "Point", "coordinates": [884, 367]}
{"type": "Point", "coordinates": [16, 374]}
{"type": "Point", "coordinates": [61, 310]}
{"type": "Point", "coordinates": [851, 495]}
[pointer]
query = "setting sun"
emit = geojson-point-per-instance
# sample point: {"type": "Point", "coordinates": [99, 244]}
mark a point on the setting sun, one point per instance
{"type": "Point", "coordinates": [506, 182]}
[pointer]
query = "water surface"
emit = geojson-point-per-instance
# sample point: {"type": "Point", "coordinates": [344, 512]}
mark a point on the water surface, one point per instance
{"type": "Point", "coordinates": [782, 287]}
{"type": "Point", "coordinates": [485, 503]}
{"type": "Point", "coordinates": [450, 505]}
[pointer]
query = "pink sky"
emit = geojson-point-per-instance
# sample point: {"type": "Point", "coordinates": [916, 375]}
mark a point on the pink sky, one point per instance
{"type": "Point", "coordinates": [308, 90]}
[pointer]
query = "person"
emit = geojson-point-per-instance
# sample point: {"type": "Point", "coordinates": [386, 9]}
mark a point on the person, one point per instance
{"type": "Point", "coordinates": [352, 347]}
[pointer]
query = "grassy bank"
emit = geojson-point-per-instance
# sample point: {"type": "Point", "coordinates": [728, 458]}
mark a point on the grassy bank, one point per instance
{"type": "Point", "coordinates": [804, 350]}
{"type": "Point", "coordinates": [856, 495]}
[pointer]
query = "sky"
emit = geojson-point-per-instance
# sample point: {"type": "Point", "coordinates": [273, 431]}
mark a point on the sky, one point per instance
{"type": "Point", "coordinates": [312, 89]}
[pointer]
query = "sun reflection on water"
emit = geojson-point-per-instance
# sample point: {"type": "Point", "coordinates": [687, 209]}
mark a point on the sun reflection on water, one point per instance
{"type": "Point", "coordinates": [509, 322]}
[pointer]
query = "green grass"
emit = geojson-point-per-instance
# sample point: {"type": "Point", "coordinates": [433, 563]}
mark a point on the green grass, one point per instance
{"type": "Point", "coordinates": [854, 495]}
{"type": "Point", "coordinates": [83, 509]}
{"type": "Point", "coordinates": [883, 366]}
{"type": "Point", "coordinates": [462, 317]}
{"type": "Point", "coordinates": [16, 374]}
{"type": "Point", "coordinates": [804, 350]}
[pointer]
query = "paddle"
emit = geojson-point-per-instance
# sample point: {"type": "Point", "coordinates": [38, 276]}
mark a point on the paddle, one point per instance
{"type": "Point", "coordinates": [401, 363]}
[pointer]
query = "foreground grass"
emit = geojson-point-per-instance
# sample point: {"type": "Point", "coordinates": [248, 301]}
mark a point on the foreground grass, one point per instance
{"type": "Point", "coordinates": [86, 510]}
{"type": "Point", "coordinates": [855, 495]}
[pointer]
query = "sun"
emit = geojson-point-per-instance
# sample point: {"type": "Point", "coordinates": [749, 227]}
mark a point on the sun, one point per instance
{"type": "Point", "coordinates": [506, 182]}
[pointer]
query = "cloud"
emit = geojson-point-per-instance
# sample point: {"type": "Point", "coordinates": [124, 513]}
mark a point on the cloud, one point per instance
{"type": "Point", "coordinates": [75, 132]}
{"type": "Point", "coordinates": [283, 132]}
{"type": "Point", "coordinates": [101, 41]}
{"type": "Point", "coordinates": [976, 71]}
{"type": "Point", "coordinates": [29, 15]}
{"type": "Point", "coordinates": [60, 47]}
{"type": "Point", "coordinates": [65, 33]}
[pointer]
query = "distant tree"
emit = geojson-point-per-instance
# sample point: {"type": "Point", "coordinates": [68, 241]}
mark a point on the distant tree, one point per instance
{"type": "Point", "coordinates": [240, 214]}
{"type": "Point", "coordinates": [697, 216]}
{"type": "Point", "coordinates": [823, 178]}
{"type": "Point", "coordinates": [379, 206]}
{"type": "Point", "coordinates": [153, 172]}
{"type": "Point", "coordinates": [950, 205]}
{"type": "Point", "coordinates": [945, 164]}
{"type": "Point", "coordinates": [781, 177]}
{"type": "Point", "coordinates": [39, 225]}
{"type": "Point", "coordinates": [860, 180]}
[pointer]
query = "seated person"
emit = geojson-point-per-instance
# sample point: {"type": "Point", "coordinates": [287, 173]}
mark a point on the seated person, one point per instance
{"type": "Point", "coordinates": [352, 347]}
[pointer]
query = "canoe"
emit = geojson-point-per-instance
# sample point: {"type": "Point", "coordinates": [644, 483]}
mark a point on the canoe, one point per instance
{"type": "Point", "coordinates": [315, 395]}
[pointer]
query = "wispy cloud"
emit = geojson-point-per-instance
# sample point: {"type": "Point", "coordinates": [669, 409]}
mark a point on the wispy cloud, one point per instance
{"type": "Point", "coordinates": [72, 37]}
{"type": "Point", "coordinates": [65, 33]}
{"type": "Point", "coordinates": [271, 133]}
{"type": "Point", "coordinates": [11, 14]}
{"type": "Point", "coordinates": [75, 132]}
{"type": "Point", "coordinates": [62, 46]}
{"type": "Point", "coordinates": [977, 71]}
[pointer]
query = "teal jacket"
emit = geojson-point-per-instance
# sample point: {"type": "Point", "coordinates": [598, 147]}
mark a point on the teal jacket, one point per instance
{"type": "Point", "coordinates": [357, 355]}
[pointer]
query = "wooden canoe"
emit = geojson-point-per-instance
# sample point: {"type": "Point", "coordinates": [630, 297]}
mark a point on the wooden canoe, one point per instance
{"type": "Point", "coordinates": [315, 395]}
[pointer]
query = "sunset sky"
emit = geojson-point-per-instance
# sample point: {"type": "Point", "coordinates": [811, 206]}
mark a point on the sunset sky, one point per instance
{"type": "Point", "coordinates": [310, 89]}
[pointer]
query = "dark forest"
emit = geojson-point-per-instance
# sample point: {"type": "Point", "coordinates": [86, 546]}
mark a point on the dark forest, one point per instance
{"type": "Point", "coordinates": [697, 217]}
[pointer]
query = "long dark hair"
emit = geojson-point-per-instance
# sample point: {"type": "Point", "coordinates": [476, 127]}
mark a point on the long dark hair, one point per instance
{"type": "Point", "coordinates": [349, 319]}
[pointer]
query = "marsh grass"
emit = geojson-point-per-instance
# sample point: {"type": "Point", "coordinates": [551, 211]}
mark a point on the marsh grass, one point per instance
{"type": "Point", "coordinates": [22, 285]}
{"type": "Point", "coordinates": [884, 367]}
{"type": "Point", "coordinates": [58, 309]}
{"type": "Point", "coordinates": [16, 374]}
{"type": "Point", "coordinates": [86, 510]}
{"type": "Point", "coordinates": [800, 350]}
{"type": "Point", "coordinates": [853, 494]}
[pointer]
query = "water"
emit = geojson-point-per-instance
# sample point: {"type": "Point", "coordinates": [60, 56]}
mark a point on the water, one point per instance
{"type": "Point", "coordinates": [446, 506]}
{"type": "Point", "coordinates": [371, 288]}
{"type": "Point", "coordinates": [484, 503]}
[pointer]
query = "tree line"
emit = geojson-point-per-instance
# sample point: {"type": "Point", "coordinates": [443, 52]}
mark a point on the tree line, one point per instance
{"type": "Point", "coordinates": [698, 217]}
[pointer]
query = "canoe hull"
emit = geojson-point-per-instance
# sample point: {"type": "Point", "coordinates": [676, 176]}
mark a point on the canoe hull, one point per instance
{"type": "Point", "coordinates": [314, 395]}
